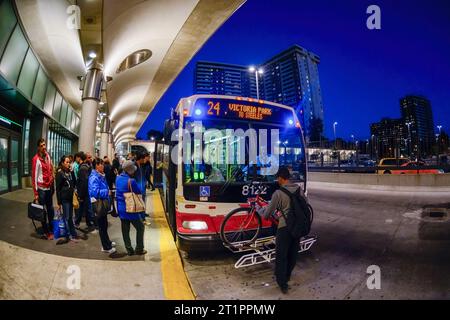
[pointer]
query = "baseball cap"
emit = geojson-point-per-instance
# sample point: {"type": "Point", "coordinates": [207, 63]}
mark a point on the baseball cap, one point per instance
{"type": "Point", "coordinates": [283, 172]}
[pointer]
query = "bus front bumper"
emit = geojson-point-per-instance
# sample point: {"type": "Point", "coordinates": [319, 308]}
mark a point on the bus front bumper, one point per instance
{"type": "Point", "coordinates": [199, 243]}
{"type": "Point", "coordinates": [208, 242]}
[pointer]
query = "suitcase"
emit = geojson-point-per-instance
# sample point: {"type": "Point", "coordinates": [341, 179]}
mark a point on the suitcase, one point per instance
{"type": "Point", "coordinates": [36, 212]}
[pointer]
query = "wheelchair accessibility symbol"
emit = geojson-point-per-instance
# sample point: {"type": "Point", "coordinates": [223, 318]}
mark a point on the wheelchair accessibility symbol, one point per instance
{"type": "Point", "coordinates": [205, 191]}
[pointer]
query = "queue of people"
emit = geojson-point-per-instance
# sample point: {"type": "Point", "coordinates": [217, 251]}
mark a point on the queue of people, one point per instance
{"type": "Point", "coordinates": [84, 189]}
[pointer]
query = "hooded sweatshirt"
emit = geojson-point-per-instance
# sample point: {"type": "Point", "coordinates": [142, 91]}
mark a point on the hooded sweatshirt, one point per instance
{"type": "Point", "coordinates": [281, 201]}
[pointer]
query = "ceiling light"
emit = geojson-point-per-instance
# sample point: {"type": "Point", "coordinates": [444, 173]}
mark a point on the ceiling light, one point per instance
{"type": "Point", "coordinates": [92, 55]}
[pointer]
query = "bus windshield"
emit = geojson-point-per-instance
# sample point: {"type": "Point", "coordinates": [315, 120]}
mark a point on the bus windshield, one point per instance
{"type": "Point", "coordinates": [224, 163]}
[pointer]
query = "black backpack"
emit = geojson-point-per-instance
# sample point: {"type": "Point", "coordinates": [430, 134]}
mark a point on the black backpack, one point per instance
{"type": "Point", "coordinates": [299, 217]}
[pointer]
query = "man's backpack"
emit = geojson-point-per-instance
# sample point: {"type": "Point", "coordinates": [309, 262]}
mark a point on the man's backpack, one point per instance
{"type": "Point", "coordinates": [298, 219]}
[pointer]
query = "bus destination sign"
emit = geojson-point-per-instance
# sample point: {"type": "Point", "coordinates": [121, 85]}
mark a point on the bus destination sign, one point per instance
{"type": "Point", "coordinates": [239, 109]}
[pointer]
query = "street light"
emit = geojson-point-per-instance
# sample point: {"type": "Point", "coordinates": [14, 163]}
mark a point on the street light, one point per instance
{"type": "Point", "coordinates": [259, 71]}
{"type": "Point", "coordinates": [334, 130]}
{"type": "Point", "coordinates": [440, 128]}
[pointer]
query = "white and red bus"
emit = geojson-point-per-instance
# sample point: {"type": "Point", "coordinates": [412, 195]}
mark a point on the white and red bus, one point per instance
{"type": "Point", "coordinates": [197, 195]}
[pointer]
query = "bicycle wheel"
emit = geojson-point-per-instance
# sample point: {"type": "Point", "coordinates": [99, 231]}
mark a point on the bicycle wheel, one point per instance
{"type": "Point", "coordinates": [312, 212]}
{"type": "Point", "coordinates": [240, 225]}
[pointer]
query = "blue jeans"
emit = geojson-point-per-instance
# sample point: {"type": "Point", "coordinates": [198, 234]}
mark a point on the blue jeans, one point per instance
{"type": "Point", "coordinates": [85, 210]}
{"type": "Point", "coordinates": [67, 210]}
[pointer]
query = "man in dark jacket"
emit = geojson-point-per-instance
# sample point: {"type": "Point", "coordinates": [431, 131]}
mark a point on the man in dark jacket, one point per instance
{"type": "Point", "coordinates": [287, 246]}
{"type": "Point", "coordinates": [116, 166]}
{"type": "Point", "coordinates": [83, 192]}
{"type": "Point", "coordinates": [148, 171]}
{"type": "Point", "coordinates": [109, 175]}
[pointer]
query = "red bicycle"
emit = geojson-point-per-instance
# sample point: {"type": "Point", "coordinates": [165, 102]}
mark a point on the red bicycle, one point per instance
{"type": "Point", "coordinates": [243, 225]}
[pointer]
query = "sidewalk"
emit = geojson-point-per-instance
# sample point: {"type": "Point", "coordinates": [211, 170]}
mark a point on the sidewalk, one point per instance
{"type": "Point", "coordinates": [50, 271]}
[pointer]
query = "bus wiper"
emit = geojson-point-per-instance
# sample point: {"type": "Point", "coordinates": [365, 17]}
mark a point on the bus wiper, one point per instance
{"type": "Point", "coordinates": [228, 182]}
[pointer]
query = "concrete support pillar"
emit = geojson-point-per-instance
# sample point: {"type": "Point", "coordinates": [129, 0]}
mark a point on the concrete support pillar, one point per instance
{"type": "Point", "coordinates": [105, 129]}
{"type": "Point", "coordinates": [91, 85]}
{"type": "Point", "coordinates": [110, 146]}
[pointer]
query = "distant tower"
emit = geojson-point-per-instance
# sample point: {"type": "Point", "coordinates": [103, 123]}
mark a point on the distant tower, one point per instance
{"type": "Point", "coordinates": [226, 79]}
{"type": "Point", "coordinates": [292, 78]}
{"type": "Point", "coordinates": [416, 110]}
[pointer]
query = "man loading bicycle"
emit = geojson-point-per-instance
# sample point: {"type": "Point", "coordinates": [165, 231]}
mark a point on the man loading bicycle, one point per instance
{"type": "Point", "coordinates": [287, 246]}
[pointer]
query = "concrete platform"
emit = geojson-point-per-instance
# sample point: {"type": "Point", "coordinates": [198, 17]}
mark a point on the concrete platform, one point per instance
{"type": "Point", "coordinates": [32, 268]}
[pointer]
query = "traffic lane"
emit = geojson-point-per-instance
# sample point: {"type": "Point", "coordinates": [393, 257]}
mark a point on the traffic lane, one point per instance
{"type": "Point", "coordinates": [377, 227]}
{"type": "Point", "coordinates": [356, 230]}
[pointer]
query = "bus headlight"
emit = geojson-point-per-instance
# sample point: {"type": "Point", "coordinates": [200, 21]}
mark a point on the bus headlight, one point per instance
{"type": "Point", "coordinates": [195, 225]}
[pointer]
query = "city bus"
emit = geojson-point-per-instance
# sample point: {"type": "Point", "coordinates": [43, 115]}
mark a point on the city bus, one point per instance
{"type": "Point", "coordinates": [198, 192]}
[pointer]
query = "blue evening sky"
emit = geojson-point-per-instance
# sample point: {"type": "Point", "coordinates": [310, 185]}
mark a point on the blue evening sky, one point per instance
{"type": "Point", "coordinates": [363, 73]}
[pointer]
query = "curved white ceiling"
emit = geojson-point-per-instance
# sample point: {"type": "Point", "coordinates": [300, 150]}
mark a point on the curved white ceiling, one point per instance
{"type": "Point", "coordinates": [174, 30]}
{"type": "Point", "coordinates": [137, 25]}
{"type": "Point", "coordinates": [57, 46]}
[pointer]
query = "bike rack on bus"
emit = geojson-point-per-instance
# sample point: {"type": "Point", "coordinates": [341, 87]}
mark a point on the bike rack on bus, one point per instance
{"type": "Point", "coordinates": [264, 250]}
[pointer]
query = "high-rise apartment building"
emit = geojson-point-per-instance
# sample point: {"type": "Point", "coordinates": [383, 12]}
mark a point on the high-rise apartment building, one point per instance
{"type": "Point", "coordinates": [389, 138]}
{"type": "Point", "coordinates": [418, 117]}
{"type": "Point", "coordinates": [226, 79]}
{"type": "Point", "coordinates": [291, 78]}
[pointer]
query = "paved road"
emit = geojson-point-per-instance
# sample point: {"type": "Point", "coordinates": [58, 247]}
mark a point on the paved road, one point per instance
{"type": "Point", "coordinates": [356, 229]}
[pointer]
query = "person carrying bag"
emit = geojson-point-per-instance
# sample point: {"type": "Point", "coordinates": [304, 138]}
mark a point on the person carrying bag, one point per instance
{"type": "Point", "coordinates": [130, 208]}
{"type": "Point", "coordinates": [65, 187]}
{"type": "Point", "coordinates": [99, 196]}
{"type": "Point", "coordinates": [134, 202]}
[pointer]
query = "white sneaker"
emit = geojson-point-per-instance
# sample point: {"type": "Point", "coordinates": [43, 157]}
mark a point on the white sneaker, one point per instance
{"type": "Point", "coordinates": [113, 244]}
{"type": "Point", "coordinates": [112, 250]}
{"type": "Point", "coordinates": [95, 231]}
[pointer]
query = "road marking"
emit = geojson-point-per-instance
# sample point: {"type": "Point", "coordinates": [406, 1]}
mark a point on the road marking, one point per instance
{"type": "Point", "coordinates": [175, 283]}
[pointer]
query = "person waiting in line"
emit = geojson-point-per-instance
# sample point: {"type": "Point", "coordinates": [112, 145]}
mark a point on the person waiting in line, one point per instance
{"type": "Point", "coordinates": [116, 166]}
{"type": "Point", "coordinates": [140, 174]}
{"type": "Point", "coordinates": [76, 164]}
{"type": "Point", "coordinates": [122, 186]}
{"type": "Point", "coordinates": [148, 171]}
{"type": "Point", "coordinates": [287, 246]}
{"type": "Point", "coordinates": [84, 172]}
{"type": "Point", "coordinates": [141, 179]}
{"type": "Point", "coordinates": [131, 156]}
{"type": "Point", "coordinates": [89, 159]}
{"type": "Point", "coordinates": [213, 174]}
{"type": "Point", "coordinates": [109, 173]}
{"type": "Point", "coordinates": [42, 180]}
{"type": "Point", "coordinates": [99, 195]}
{"type": "Point", "coordinates": [65, 186]}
